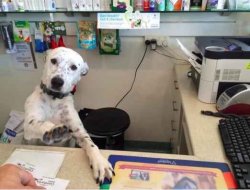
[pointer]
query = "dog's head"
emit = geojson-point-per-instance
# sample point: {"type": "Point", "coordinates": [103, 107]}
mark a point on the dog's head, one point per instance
{"type": "Point", "coordinates": [63, 69]}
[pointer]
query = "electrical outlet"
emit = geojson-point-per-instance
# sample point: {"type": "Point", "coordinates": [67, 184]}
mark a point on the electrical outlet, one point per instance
{"type": "Point", "coordinates": [161, 40]}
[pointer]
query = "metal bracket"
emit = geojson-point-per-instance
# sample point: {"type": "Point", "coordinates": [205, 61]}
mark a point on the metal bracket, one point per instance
{"type": "Point", "coordinates": [69, 14]}
{"type": "Point", "coordinates": [2, 14]}
{"type": "Point", "coordinates": [85, 14]}
{"type": "Point", "coordinates": [72, 14]}
{"type": "Point", "coordinates": [226, 13]}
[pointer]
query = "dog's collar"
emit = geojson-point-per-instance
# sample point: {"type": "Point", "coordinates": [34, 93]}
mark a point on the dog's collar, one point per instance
{"type": "Point", "coordinates": [52, 93]}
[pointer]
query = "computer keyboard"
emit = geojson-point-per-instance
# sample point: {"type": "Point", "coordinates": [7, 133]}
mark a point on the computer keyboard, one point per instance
{"type": "Point", "coordinates": [235, 134]}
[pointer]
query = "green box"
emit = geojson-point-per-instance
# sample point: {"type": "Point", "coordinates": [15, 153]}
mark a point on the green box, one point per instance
{"type": "Point", "coordinates": [109, 41]}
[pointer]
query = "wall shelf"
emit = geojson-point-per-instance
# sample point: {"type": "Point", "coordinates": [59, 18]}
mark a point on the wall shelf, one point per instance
{"type": "Point", "coordinates": [70, 12]}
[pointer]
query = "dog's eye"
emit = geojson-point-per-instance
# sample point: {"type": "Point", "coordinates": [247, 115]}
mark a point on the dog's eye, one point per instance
{"type": "Point", "coordinates": [73, 67]}
{"type": "Point", "coordinates": [53, 61]}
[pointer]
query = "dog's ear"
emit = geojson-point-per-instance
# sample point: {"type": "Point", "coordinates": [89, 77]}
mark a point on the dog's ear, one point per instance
{"type": "Point", "coordinates": [83, 73]}
{"type": "Point", "coordinates": [48, 51]}
{"type": "Point", "coordinates": [84, 70]}
{"type": "Point", "coordinates": [46, 55]}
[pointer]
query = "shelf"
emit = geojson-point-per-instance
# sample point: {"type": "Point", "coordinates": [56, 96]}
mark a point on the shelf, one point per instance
{"type": "Point", "coordinates": [70, 12]}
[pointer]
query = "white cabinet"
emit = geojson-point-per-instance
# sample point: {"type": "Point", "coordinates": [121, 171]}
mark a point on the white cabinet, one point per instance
{"type": "Point", "coordinates": [179, 135]}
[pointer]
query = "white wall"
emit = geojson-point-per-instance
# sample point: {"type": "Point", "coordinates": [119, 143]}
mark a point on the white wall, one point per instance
{"type": "Point", "coordinates": [110, 76]}
{"type": "Point", "coordinates": [108, 80]}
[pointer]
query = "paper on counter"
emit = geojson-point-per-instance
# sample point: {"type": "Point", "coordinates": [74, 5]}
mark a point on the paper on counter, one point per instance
{"type": "Point", "coordinates": [43, 165]}
{"type": "Point", "coordinates": [52, 183]}
{"type": "Point", "coordinates": [47, 163]}
{"type": "Point", "coordinates": [46, 182]}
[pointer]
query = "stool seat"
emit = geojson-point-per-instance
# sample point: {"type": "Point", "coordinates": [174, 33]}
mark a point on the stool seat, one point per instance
{"type": "Point", "coordinates": [106, 122]}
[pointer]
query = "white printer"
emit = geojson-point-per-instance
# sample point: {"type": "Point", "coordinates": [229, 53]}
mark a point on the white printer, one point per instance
{"type": "Point", "coordinates": [225, 62]}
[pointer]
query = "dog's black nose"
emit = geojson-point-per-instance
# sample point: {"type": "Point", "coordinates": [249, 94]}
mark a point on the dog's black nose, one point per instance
{"type": "Point", "coordinates": [57, 83]}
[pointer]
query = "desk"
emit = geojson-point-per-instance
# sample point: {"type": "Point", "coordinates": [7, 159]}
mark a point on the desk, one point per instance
{"type": "Point", "coordinates": [75, 166]}
{"type": "Point", "coordinates": [201, 131]}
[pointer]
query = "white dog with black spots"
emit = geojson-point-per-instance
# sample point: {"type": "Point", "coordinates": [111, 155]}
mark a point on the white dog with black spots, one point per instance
{"type": "Point", "coordinates": [50, 115]}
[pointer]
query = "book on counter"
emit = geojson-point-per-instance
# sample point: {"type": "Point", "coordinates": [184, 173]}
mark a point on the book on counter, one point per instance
{"type": "Point", "coordinates": [134, 172]}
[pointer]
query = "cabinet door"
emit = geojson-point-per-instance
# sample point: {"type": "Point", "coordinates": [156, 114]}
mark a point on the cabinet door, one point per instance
{"type": "Point", "coordinates": [185, 146]}
{"type": "Point", "coordinates": [175, 121]}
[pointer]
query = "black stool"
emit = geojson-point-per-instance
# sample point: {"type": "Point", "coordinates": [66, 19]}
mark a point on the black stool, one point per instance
{"type": "Point", "coordinates": [106, 127]}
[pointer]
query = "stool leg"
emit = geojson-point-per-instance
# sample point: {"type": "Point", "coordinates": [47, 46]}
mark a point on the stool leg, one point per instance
{"type": "Point", "coordinates": [110, 141]}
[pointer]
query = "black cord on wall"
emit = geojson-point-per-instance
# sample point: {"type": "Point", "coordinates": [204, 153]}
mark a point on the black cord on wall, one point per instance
{"type": "Point", "coordinates": [131, 87]}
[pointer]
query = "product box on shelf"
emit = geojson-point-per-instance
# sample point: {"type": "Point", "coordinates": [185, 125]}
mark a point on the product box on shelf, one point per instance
{"type": "Point", "coordinates": [96, 5]}
{"type": "Point", "coordinates": [75, 4]}
{"type": "Point", "coordinates": [121, 5]}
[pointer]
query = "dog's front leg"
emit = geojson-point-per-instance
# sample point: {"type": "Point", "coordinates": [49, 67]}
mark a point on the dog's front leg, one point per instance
{"type": "Point", "coordinates": [46, 131]}
{"type": "Point", "coordinates": [100, 165]}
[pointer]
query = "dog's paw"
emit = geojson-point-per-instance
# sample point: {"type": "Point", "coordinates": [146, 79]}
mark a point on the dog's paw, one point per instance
{"type": "Point", "coordinates": [56, 134]}
{"type": "Point", "coordinates": [101, 168]}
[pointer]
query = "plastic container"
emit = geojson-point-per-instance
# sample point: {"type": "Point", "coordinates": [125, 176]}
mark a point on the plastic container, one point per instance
{"type": "Point", "coordinates": [152, 4]}
{"type": "Point", "coordinates": [174, 6]}
{"type": "Point", "coordinates": [160, 5]}
{"type": "Point", "coordinates": [138, 5]}
{"type": "Point", "coordinates": [146, 5]}
{"type": "Point", "coordinates": [232, 4]}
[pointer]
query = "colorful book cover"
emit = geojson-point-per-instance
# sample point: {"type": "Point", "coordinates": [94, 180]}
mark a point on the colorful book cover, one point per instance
{"type": "Point", "coordinates": [212, 4]}
{"type": "Point", "coordinates": [52, 28]}
{"type": "Point", "coordinates": [22, 31]}
{"type": "Point", "coordinates": [86, 35]}
{"type": "Point", "coordinates": [156, 173]}
{"type": "Point", "coordinates": [121, 5]}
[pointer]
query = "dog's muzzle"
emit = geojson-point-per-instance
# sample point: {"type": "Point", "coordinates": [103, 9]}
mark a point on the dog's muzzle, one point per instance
{"type": "Point", "coordinates": [52, 93]}
{"type": "Point", "coordinates": [56, 83]}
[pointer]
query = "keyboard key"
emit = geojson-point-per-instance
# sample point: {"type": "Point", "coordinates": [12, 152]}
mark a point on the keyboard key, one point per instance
{"type": "Point", "coordinates": [246, 158]}
{"type": "Point", "coordinates": [225, 136]}
{"type": "Point", "coordinates": [242, 184]}
{"type": "Point", "coordinates": [236, 166]}
{"type": "Point", "coordinates": [234, 159]}
{"type": "Point", "coordinates": [244, 171]}
{"type": "Point", "coordinates": [240, 157]}
{"type": "Point", "coordinates": [247, 181]}
{"type": "Point", "coordinates": [238, 170]}
{"type": "Point", "coordinates": [239, 175]}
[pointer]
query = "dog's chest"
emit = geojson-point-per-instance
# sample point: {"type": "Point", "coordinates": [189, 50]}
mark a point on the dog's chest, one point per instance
{"type": "Point", "coordinates": [57, 111]}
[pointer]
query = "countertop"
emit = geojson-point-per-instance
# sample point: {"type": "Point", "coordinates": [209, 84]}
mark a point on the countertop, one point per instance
{"type": "Point", "coordinates": [75, 166]}
{"type": "Point", "coordinates": [202, 130]}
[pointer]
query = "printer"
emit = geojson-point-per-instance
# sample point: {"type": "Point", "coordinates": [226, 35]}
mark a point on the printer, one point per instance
{"type": "Point", "coordinates": [225, 63]}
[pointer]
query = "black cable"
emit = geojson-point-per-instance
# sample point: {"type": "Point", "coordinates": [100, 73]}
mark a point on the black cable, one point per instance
{"type": "Point", "coordinates": [134, 77]}
{"type": "Point", "coordinates": [223, 115]}
{"type": "Point", "coordinates": [170, 56]}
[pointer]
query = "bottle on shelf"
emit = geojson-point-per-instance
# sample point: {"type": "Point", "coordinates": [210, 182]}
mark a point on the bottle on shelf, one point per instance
{"type": "Point", "coordinates": [174, 5]}
{"type": "Point", "coordinates": [138, 5]}
{"type": "Point", "coordinates": [152, 5]}
{"type": "Point", "coordinates": [160, 5]}
{"type": "Point", "coordinates": [195, 5]}
{"type": "Point", "coordinates": [146, 5]}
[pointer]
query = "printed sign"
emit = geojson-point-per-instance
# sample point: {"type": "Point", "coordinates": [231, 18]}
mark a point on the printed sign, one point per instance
{"type": "Point", "coordinates": [24, 58]}
{"type": "Point", "coordinates": [128, 20]}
